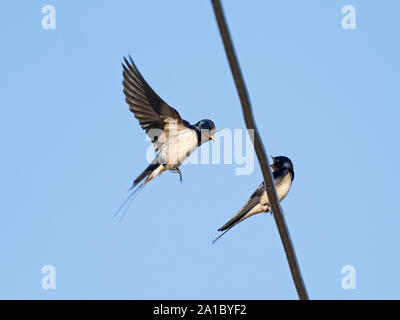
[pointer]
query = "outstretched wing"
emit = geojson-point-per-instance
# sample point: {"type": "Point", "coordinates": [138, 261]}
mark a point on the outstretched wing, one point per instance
{"type": "Point", "coordinates": [250, 204]}
{"type": "Point", "coordinates": [154, 114]}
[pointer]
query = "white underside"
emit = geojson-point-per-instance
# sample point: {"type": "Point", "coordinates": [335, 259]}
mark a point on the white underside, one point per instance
{"type": "Point", "coordinates": [175, 151]}
{"type": "Point", "coordinates": [263, 206]}
{"type": "Point", "coordinates": [178, 148]}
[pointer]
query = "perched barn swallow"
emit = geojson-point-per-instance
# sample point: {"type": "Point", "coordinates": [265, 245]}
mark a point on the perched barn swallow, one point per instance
{"type": "Point", "coordinates": [258, 202]}
{"type": "Point", "coordinates": [173, 138]}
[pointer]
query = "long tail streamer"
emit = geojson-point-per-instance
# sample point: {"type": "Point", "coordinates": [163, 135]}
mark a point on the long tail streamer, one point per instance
{"type": "Point", "coordinates": [216, 239]}
{"type": "Point", "coordinates": [128, 201]}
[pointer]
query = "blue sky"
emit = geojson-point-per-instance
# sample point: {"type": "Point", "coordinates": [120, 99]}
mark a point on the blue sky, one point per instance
{"type": "Point", "coordinates": [326, 97]}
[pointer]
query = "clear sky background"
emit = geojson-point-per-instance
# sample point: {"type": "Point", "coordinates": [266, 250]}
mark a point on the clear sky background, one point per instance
{"type": "Point", "coordinates": [326, 97]}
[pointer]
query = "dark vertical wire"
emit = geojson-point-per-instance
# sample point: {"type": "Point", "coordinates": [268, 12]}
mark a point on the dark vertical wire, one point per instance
{"type": "Point", "coordinates": [260, 151]}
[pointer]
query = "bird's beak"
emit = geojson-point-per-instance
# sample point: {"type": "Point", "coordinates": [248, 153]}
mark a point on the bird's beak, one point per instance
{"type": "Point", "coordinates": [273, 163]}
{"type": "Point", "coordinates": [212, 138]}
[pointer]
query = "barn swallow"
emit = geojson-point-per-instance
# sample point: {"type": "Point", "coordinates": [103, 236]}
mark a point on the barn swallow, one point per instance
{"type": "Point", "coordinates": [283, 176]}
{"type": "Point", "coordinates": [173, 138]}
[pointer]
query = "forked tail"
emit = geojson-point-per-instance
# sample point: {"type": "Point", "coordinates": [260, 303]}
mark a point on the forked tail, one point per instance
{"type": "Point", "coordinates": [150, 168]}
{"type": "Point", "coordinates": [128, 201]}
{"type": "Point", "coordinates": [135, 190]}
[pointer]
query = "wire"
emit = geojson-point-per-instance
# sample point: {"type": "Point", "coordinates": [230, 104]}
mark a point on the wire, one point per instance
{"type": "Point", "coordinates": [260, 151]}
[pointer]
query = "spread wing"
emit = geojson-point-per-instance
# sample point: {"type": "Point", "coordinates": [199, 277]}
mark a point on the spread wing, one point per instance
{"type": "Point", "coordinates": [155, 116]}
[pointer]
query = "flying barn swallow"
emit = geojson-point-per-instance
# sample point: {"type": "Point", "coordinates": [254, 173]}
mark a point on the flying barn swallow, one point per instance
{"type": "Point", "coordinates": [173, 138]}
{"type": "Point", "coordinates": [258, 202]}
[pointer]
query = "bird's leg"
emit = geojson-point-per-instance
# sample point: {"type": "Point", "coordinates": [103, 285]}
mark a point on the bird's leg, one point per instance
{"type": "Point", "coordinates": [176, 170]}
{"type": "Point", "coordinates": [271, 213]}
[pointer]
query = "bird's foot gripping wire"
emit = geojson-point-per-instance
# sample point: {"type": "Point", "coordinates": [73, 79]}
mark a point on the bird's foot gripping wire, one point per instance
{"type": "Point", "coordinates": [176, 170]}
